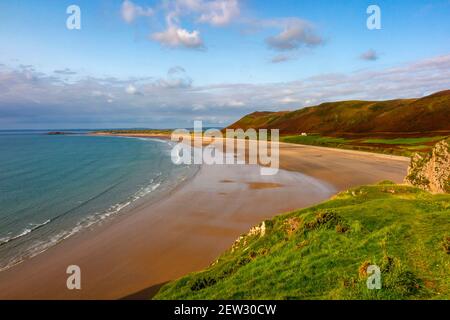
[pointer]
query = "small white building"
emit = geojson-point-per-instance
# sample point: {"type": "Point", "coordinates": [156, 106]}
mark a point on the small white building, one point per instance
{"type": "Point", "coordinates": [304, 134]}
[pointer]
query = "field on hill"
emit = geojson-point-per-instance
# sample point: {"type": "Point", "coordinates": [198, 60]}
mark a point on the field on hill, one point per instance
{"type": "Point", "coordinates": [323, 252]}
{"type": "Point", "coordinates": [396, 146]}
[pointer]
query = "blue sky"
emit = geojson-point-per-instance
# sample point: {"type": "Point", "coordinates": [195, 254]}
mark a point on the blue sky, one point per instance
{"type": "Point", "coordinates": [166, 63]}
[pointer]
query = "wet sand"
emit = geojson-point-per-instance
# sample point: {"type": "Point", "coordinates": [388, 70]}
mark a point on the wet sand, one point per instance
{"type": "Point", "coordinates": [192, 226]}
{"type": "Point", "coordinates": [342, 168]}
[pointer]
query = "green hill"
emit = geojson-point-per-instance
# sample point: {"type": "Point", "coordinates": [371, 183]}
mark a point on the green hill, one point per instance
{"type": "Point", "coordinates": [323, 252]}
{"type": "Point", "coordinates": [400, 127]}
{"type": "Point", "coordinates": [428, 115]}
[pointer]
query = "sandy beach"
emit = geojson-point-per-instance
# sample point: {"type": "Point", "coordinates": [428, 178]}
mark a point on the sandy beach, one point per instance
{"type": "Point", "coordinates": [188, 229]}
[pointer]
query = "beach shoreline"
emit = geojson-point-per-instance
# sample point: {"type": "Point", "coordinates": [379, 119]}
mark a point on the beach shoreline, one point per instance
{"type": "Point", "coordinates": [190, 227]}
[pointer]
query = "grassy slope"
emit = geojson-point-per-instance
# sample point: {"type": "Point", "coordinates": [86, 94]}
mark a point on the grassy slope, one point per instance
{"type": "Point", "coordinates": [418, 116]}
{"type": "Point", "coordinates": [397, 146]}
{"type": "Point", "coordinates": [321, 252]}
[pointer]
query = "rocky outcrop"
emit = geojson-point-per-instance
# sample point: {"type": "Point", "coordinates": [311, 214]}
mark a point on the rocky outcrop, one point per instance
{"type": "Point", "coordinates": [431, 172]}
{"type": "Point", "coordinates": [259, 230]}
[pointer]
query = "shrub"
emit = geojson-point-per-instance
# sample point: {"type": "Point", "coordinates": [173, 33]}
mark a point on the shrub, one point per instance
{"type": "Point", "coordinates": [202, 283]}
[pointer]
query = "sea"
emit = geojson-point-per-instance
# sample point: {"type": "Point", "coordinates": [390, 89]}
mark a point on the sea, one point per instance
{"type": "Point", "coordinates": [54, 186]}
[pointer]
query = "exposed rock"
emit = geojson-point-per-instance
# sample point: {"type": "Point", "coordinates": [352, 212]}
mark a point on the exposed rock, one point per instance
{"type": "Point", "coordinates": [259, 230]}
{"type": "Point", "coordinates": [431, 172]}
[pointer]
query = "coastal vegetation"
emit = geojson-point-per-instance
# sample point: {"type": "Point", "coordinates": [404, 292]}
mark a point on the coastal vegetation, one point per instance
{"type": "Point", "coordinates": [323, 252]}
{"type": "Point", "coordinates": [397, 146]}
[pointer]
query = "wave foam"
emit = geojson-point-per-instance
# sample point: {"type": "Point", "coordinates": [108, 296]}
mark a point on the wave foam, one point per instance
{"type": "Point", "coordinates": [40, 246]}
{"type": "Point", "coordinates": [33, 226]}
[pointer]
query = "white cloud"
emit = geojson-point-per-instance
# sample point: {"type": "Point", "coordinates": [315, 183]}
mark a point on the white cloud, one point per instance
{"type": "Point", "coordinates": [26, 93]}
{"type": "Point", "coordinates": [281, 58]}
{"type": "Point", "coordinates": [131, 89]}
{"type": "Point", "coordinates": [198, 107]}
{"type": "Point", "coordinates": [293, 33]}
{"type": "Point", "coordinates": [66, 72]}
{"type": "Point", "coordinates": [176, 78]}
{"type": "Point", "coordinates": [296, 33]}
{"type": "Point", "coordinates": [369, 55]}
{"type": "Point", "coordinates": [216, 13]}
{"type": "Point", "coordinates": [289, 100]}
{"type": "Point", "coordinates": [234, 103]}
{"type": "Point", "coordinates": [130, 11]}
{"type": "Point", "coordinates": [175, 36]}
{"type": "Point", "coordinates": [219, 12]}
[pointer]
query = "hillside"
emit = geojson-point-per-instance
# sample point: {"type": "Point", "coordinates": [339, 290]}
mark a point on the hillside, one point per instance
{"type": "Point", "coordinates": [427, 115]}
{"type": "Point", "coordinates": [323, 252]}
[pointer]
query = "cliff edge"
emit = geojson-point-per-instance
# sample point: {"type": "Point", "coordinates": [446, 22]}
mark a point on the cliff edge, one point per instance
{"type": "Point", "coordinates": [431, 172]}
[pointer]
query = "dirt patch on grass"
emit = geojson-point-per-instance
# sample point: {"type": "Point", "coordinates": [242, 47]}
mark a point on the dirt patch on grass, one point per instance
{"type": "Point", "coordinates": [292, 225]}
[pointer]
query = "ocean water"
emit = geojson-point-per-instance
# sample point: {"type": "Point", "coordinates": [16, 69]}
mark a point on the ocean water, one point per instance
{"type": "Point", "coordinates": [52, 187]}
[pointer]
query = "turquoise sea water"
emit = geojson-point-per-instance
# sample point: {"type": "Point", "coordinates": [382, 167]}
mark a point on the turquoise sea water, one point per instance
{"type": "Point", "coordinates": [52, 187]}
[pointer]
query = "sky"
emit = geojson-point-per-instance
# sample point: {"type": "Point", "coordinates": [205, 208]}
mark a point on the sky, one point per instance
{"type": "Point", "coordinates": [166, 63]}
